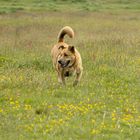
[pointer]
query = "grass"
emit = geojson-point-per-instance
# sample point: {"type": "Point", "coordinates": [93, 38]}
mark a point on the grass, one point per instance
{"type": "Point", "coordinates": [8, 6]}
{"type": "Point", "coordinates": [106, 103]}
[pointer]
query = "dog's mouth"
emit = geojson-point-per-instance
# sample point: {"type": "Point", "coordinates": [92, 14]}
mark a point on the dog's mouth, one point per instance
{"type": "Point", "coordinates": [64, 64]}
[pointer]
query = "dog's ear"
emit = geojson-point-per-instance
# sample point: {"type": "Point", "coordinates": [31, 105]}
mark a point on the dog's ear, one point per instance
{"type": "Point", "coordinates": [61, 47]}
{"type": "Point", "coordinates": [72, 49]}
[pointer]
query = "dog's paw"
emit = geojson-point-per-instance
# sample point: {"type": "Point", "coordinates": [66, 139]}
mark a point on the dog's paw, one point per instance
{"type": "Point", "coordinates": [75, 83]}
{"type": "Point", "coordinates": [61, 82]}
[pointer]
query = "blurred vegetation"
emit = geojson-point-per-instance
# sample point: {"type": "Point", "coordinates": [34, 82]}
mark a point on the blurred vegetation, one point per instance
{"type": "Point", "coordinates": [7, 6]}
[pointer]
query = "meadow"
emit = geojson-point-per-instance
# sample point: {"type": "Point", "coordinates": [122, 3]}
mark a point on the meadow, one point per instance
{"type": "Point", "coordinates": [11, 6]}
{"type": "Point", "coordinates": [106, 103]}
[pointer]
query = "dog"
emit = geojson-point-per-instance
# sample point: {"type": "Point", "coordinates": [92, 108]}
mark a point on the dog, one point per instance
{"type": "Point", "coordinates": [66, 59]}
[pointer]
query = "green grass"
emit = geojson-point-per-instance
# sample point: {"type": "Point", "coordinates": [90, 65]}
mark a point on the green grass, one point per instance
{"type": "Point", "coordinates": [8, 6]}
{"type": "Point", "coordinates": [106, 103]}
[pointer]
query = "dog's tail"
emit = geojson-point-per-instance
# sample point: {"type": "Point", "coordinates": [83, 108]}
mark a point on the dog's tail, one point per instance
{"type": "Point", "coordinates": [65, 30]}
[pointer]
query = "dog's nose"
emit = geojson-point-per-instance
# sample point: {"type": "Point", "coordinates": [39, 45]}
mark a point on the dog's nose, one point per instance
{"type": "Point", "coordinates": [59, 61]}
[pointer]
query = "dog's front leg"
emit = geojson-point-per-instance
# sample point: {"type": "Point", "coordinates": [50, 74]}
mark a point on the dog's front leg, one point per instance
{"type": "Point", "coordinates": [78, 77]}
{"type": "Point", "coordinates": [61, 78]}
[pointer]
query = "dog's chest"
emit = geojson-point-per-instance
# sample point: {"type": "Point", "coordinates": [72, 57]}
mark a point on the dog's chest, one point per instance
{"type": "Point", "coordinates": [69, 72]}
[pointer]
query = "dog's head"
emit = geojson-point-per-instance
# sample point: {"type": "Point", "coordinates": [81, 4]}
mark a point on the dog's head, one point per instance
{"type": "Point", "coordinates": [67, 56]}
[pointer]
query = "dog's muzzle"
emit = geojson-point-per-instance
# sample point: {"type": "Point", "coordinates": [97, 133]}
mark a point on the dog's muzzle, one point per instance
{"type": "Point", "coordinates": [63, 63]}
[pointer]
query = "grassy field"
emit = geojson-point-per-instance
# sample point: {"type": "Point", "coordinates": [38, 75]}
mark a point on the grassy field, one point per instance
{"type": "Point", "coordinates": [106, 103]}
{"type": "Point", "coordinates": [8, 6]}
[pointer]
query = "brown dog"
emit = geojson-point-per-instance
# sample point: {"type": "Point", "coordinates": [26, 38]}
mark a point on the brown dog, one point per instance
{"type": "Point", "coordinates": [66, 59]}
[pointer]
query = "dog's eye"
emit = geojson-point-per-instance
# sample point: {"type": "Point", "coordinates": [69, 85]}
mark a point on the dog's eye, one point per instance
{"type": "Point", "coordinates": [65, 54]}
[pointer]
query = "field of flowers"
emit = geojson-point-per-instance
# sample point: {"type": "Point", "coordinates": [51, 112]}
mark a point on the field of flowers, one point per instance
{"type": "Point", "coordinates": [106, 103]}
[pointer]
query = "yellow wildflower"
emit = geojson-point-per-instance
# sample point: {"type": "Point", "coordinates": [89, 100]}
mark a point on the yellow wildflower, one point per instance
{"type": "Point", "coordinates": [27, 107]}
{"type": "Point", "coordinates": [1, 110]}
{"type": "Point", "coordinates": [95, 132]}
